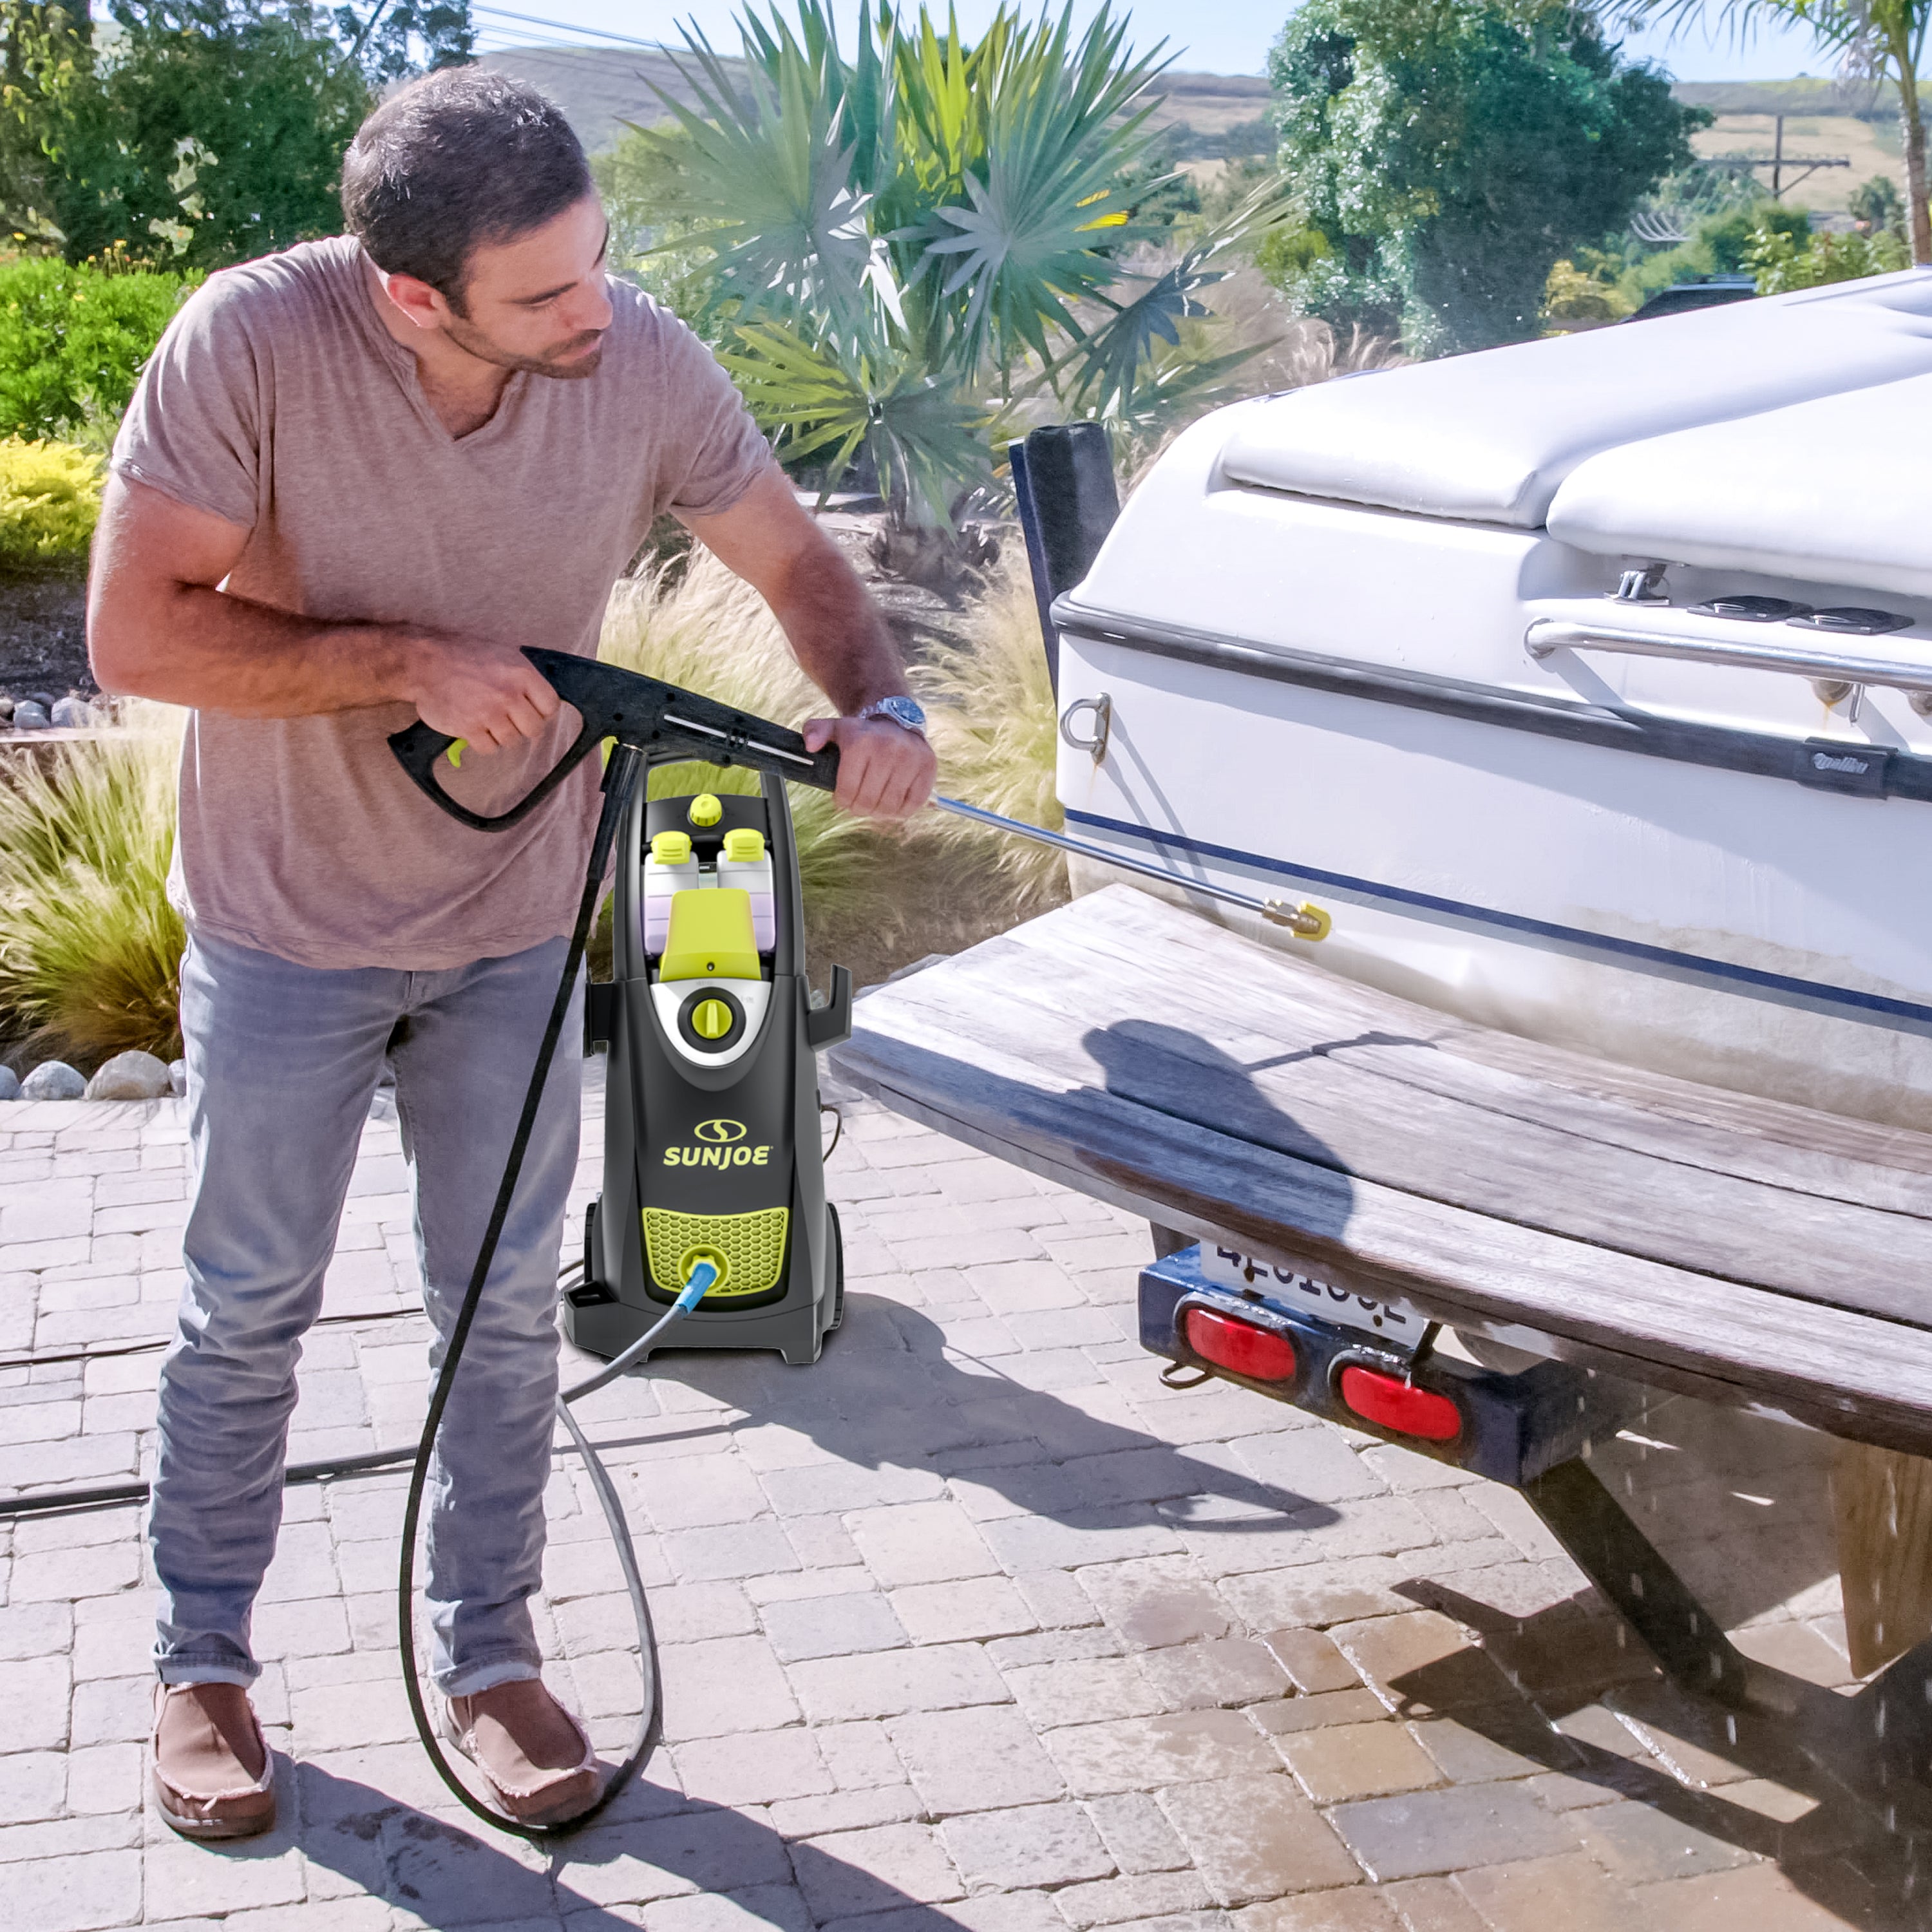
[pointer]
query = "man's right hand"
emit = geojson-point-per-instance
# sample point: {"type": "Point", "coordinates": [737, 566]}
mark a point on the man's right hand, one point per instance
{"type": "Point", "coordinates": [490, 695]}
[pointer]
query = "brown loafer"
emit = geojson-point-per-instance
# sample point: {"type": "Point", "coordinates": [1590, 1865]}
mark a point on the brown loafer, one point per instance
{"type": "Point", "coordinates": [213, 1777]}
{"type": "Point", "coordinates": [537, 1763]}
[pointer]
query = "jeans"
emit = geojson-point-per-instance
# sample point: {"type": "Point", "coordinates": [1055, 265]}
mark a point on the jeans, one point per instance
{"type": "Point", "coordinates": [283, 1062]}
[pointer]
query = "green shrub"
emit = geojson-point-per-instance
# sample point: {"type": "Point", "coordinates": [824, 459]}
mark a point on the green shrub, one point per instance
{"type": "Point", "coordinates": [73, 340]}
{"type": "Point", "coordinates": [49, 498]}
{"type": "Point", "coordinates": [1780, 264]}
{"type": "Point", "coordinates": [1573, 295]}
{"type": "Point", "coordinates": [90, 949]}
{"type": "Point", "coordinates": [1721, 246]}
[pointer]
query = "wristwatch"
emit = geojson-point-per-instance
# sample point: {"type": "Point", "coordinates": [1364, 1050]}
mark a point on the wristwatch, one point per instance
{"type": "Point", "coordinates": [902, 711]}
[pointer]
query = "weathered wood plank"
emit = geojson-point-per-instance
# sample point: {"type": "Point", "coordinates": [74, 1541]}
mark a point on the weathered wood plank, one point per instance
{"type": "Point", "coordinates": [989, 1047]}
{"type": "Point", "coordinates": [1850, 1374]}
{"type": "Point", "coordinates": [1082, 1023]}
{"type": "Point", "coordinates": [1883, 1503]}
{"type": "Point", "coordinates": [1773, 1141]}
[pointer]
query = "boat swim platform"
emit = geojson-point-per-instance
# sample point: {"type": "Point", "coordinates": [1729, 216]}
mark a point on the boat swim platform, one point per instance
{"type": "Point", "coordinates": [1646, 1228]}
{"type": "Point", "coordinates": [1739, 1249]}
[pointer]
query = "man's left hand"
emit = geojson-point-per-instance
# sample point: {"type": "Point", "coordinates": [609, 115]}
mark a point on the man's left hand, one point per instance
{"type": "Point", "coordinates": [884, 770]}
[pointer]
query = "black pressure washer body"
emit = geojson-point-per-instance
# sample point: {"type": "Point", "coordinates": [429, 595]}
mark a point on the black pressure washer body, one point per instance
{"type": "Point", "coordinates": [712, 1117]}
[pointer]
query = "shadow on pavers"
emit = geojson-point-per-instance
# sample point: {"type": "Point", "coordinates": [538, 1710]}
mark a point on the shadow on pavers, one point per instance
{"type": "Point", "coordinates": [894, 1388]}
{"type": "Point", "coordinates": [1670, 1784]}
{"type": "Point", "coordinates": [450, 1875]}
{"type": "Point", "coordinates": [890, 1394]}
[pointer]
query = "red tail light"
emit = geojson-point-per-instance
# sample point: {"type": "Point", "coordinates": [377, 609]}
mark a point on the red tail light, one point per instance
{"type": "Point", "coordinates": [1260, 1353]}
{"type": "Point", "coordinates": [1398, 1406]}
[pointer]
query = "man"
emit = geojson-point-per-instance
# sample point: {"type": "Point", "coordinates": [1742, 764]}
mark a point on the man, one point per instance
{"type": "Point", "coordinates": [356, 479]}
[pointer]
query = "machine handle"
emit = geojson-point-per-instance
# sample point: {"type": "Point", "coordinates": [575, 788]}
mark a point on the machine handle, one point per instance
{"type": "Point", "coordinates": [641, 712]}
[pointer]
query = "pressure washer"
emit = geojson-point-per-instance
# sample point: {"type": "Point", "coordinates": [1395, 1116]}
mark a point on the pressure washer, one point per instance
{"type": "Point", "coordinates": [717, 1217]}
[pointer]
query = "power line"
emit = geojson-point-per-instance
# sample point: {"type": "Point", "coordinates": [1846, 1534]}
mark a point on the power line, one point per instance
{"type": "Point", "coordinates": [565, 27]}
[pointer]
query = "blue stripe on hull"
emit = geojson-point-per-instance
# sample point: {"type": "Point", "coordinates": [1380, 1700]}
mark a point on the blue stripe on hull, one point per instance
{"type": "Point", "coordinates": [1782, 989]}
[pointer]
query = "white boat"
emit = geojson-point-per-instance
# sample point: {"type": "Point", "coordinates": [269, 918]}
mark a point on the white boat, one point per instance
{"type": "Point", "coordinates": [1523, 663]}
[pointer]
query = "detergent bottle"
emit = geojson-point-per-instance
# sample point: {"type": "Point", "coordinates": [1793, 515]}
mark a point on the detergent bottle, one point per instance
{"type": "Point", "coordinates": [746, 865]}
{"type": "Point", "coordinates": [671, 868]}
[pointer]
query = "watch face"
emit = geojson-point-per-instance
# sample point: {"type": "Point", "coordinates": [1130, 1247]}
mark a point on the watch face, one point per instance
{"type": "Point", "coordinates": [900, 710]}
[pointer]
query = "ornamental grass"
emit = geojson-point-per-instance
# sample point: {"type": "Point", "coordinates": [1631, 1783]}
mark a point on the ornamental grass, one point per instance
{"type": "Point", "coordinates": [90, 949]}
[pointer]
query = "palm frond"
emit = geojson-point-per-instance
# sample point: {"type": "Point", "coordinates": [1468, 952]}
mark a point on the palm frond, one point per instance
{"type": "Point", "coordinates": [1116, 359]}
{"type": "Point", "coordinates": [929, 440]}
{"type": "Point", "coordinates": [764, 165]}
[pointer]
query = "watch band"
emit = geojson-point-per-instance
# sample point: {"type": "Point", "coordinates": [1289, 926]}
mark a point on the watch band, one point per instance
{"type": "Point", "coordinates": [906, 712]}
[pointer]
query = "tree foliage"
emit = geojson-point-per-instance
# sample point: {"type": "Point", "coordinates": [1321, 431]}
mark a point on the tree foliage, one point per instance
{"type": "Point", "coordinates": [195, 132]}
{"type": "Point", "coordinates": [1446, 153]}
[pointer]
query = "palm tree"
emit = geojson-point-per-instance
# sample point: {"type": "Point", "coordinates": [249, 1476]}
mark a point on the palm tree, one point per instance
{"type": "Point", "coordinates": [907, 245]}
{"type": "Point", "coordinates": [1880, 39]}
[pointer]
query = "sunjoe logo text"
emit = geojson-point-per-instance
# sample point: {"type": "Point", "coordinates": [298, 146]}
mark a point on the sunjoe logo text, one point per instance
{"type": "Point", "coordinates": [723, 1146]}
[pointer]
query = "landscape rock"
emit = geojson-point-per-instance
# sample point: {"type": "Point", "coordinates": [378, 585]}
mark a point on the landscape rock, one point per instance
{"type": "Point", "coordinates": [178, 1078]}
{"type": "Point", "coordinates": [44, 699]}
{"type": "Point", "coordinates": [6, 707]}
{"type": "Point", "coordinates": [28, 716]}
{"type": "Point", "coordinates": [52, 1080]}
{"type": "Point", "coordinates": [130, 1076]}
{"type": "Point", "coordinates": [71, 712]}
{"type": "Point", "coordinates": [10, 1084]}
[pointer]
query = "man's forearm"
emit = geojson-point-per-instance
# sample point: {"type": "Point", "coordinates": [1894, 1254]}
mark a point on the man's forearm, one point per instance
{"type": "Point", "coordinates": [205, 648]}
{"type": "Point", "coordinates": [836, 631]}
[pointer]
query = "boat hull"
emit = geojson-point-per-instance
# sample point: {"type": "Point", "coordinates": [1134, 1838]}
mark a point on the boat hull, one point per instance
{"type": "Point", "coordinates": [1727, 925]}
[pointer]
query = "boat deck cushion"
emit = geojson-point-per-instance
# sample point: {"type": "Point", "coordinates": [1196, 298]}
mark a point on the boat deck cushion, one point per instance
{"type": "Point", "coordinates": [1491, 436]}
{"type": "Point", "coordinates": [1833, 491]}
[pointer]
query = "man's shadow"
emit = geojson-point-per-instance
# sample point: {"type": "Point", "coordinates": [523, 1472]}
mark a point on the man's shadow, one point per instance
{"type": "Point", "coordinates": [898, 1388]}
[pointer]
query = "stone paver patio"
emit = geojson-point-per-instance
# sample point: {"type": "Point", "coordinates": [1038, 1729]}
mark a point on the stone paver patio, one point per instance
{"type": "Point", "coordinates": [973, 1623]}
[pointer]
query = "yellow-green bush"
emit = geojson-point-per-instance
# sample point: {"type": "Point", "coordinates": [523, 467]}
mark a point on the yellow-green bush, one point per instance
{"type": "Point", "coordinates": [49, 500]}
{"type": "Point", "coordinates": [1573, 295]}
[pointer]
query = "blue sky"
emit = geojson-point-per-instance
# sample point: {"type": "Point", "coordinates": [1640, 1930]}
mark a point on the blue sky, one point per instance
{"type": "Point", "coordinates": [1214, 36]}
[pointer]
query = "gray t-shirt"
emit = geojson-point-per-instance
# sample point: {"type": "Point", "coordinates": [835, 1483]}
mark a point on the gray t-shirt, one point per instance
{"type": "Point", "coordinates": [278, 399]}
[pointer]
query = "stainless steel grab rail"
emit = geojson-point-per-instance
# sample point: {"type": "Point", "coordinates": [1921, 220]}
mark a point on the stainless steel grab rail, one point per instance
{"type": "Point", "coordinates": [1549, 634]}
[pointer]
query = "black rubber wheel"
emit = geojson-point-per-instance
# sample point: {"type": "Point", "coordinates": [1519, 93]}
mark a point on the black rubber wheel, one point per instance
{"type": "Point", "coordinates": [838, 1268]}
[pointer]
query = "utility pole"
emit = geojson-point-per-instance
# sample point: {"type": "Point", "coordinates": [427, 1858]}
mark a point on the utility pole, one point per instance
{"type": "Point", "coordinates": [1777, 159]}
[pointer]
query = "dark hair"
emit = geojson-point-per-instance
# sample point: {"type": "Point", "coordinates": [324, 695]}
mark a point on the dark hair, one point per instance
{"type": "Point", "coordinates": [461, 158]}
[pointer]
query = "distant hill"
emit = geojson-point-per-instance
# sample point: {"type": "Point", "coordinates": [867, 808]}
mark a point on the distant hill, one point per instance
{"type": "Point", "coordinates": [601, 88]}
{"type": "Point", "coordinates": [598, 88]}
{"type": "Point", "coordinates": [1864, 100]}
{"type": "Point", "coordinates": [1214, 116]}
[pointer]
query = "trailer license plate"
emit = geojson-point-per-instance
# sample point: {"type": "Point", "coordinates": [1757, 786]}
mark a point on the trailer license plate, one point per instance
{"type": "Point", "coordinates": [1394, 1321]}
